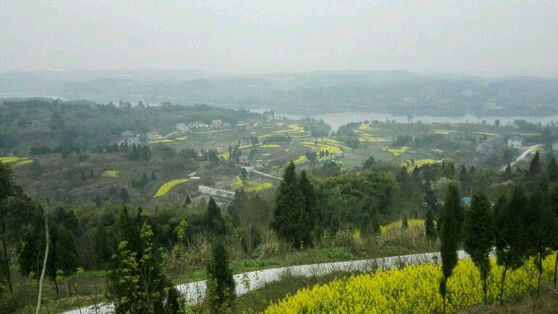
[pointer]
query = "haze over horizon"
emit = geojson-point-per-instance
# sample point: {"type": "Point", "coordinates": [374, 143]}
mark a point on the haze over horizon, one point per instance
{"type": "Point", "coordinates": [496, 38]}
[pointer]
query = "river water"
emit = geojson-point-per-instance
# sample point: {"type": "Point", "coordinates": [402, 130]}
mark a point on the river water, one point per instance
{"type": "Point", "coordinates": [335, 120]}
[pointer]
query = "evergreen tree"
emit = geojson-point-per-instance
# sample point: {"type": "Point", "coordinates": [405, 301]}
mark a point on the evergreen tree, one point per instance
{"type": "Point", "coordinates": [236, 206]}
{"type": "Point", "coordinates": [187, 201]}
{"type": "Point", "coordinates": [214, 221]}
{"type": "Point", "coordinates": [554, 209]}
{"type": "Point", "coordinates": [541, 226]}
{"type": "Point", "coordinates": [310, 214]}
{"type": "Point", "coordinates": [220, 282]}
{"type": "Point", "coordinates": [289, 209]}
{"type": "Point", "coordinates": [464, 180]}
{"type": "Point", "coordinates": [552, 170]}
{"type": "Point", "coordinates": [243, 174]}
{"type": "Point", "coordinates": [511, 232]}
{"type": "Point", "coordinates": [15, 210]}
{"type": "Point", "coordinates": [101, 246]}
{"type": "Point", "coordinates": [508, 174]}
{"type": "Point", "coordinates": [136, 282]}
{"type": "Point", "coordinates": [405, 223]}
{"type": "Point", "coordinates": [124, 197]}
{"type": "Point", "coordinates": [451, 223]}
{"type": "Point", "coordinates": [535, 165]}
{"type": "Point", "coordinates": [479, 236]}
{"type": "Point", "coordinates": [429, 226]}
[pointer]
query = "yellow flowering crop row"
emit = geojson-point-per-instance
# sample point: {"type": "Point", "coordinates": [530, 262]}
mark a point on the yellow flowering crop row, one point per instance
{"type": "Point", "coordinates": [300, 160]}
{"type": "Point", "coordinates": [443, 132]}
{"type": "Point", "coordinates": [15, 161]}
{"type": "Point", "coordinates": [166, 187]}
{"type": "Point", "coordinates": [412, 289]}
{"type": "Point", "coordinates": [411, 164]}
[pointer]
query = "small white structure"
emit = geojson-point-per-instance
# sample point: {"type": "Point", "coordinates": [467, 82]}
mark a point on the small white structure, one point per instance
{"type": "Point", "coordinates": [127, 134]}
{"type": "Point", "coordinates": [197, 125]}
{"type": "Point", "coordinates": [241, 124]}
{"type": "Point", "coordinates": [515, 142]}
{"type": "Point", "coordinates": [555, 146]}
{"type": "Point", "coordinates": [182, 128]}
{"type": "Point", "coordinates": [153, 136]}
{"type": "Point", "coordinates": [217, 124]}
{"type": "Point", "coordinates": [135, 140]}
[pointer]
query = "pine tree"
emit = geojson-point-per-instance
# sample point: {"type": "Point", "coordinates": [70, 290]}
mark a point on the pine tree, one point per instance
{"type": "Point", "coordinates": [289, 209]}
{"type": "Point", "coordinates": [451, 220]}
{"type": "Point", "coordinates": [220, 282]}
{"type": "Point", "coordinates": [429, 226]}
{"type": "Point", "coordinates": [214, 220]}
{"type": "Point", "coordinates": [479, 236]}
{"type": "Point", "coordinates": [511, 232]}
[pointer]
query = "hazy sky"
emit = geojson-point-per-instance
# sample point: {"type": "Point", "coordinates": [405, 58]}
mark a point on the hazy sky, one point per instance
{"type": "Point", "coordinates": [483, 37]}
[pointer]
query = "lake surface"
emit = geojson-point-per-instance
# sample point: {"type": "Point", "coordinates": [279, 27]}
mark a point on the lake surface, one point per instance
{"type": "Point", "coordinates": [335, 120]}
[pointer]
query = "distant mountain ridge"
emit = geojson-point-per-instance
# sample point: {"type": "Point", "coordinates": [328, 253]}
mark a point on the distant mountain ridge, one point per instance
{"type": "Point", "coordinates": [399, 92]}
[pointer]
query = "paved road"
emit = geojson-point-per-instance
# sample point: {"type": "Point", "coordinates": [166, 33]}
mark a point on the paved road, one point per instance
{"type": "Point", "coordinates": [522, 156]}
{"type": "Point", "coordinates": [194, 292]}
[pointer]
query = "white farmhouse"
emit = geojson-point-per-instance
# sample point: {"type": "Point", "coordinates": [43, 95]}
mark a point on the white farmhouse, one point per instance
{"type": "Point", "coordinates": [197, 125]}
{"type": "Point", "coordinates": [515, 142]}
{"type": "Point", "coordinates": [217, 124]}
{"type": "Point", "coordinates": [182, 128]}
{"type": "Point", "coordinates": [153, 136]}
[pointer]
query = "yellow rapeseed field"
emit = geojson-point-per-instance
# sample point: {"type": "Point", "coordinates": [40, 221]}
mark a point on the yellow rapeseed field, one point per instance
{"type": "Point", "coordinates": [111, 173]}
{"type": "Point", "coordinates": [166, 187]}
{"type": "Point", "coordinates": [15, 161]}
{"type": "Point", "coordinates": [397, 151]}
{"type": "Point", "coordinates": [250, 185]}
{"type": "Point", "coordinates": [412, 289]}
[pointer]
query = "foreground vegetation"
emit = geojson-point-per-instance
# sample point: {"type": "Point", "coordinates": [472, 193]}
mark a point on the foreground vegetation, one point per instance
{"type": "Point", "coordinates": [412, 289]}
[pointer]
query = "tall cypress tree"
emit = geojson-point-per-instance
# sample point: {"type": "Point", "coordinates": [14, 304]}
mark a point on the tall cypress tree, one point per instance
{"type": "Point", "coordinates": [310, 214]}
{"type": "Point", "coordinates": [289, 209]}
{"type": "Point", "coordinates": [554, 209]}
{"type": "Point", "coordinates": [450, 232]}
{"type": "Point", "coordinates": [214, 220]}
{"type": "Point", "coordinates": [479, 236]}
{"type": "Point", "coordinates": [535, 165]}
{"type": "Point", "coordinates": [541, 226]}
{"type": "Point", "coordinates": [511, 232]}
{"type": "Point", "coordinates": [552, 170]}
{"type": "Point", "coordinates": [220, 283]}
{"type": "Point", "coordinates": [429, 226]}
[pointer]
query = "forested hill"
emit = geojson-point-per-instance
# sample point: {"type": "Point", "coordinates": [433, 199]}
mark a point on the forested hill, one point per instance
{"type": "Point", "coordinates": [314, 92]}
